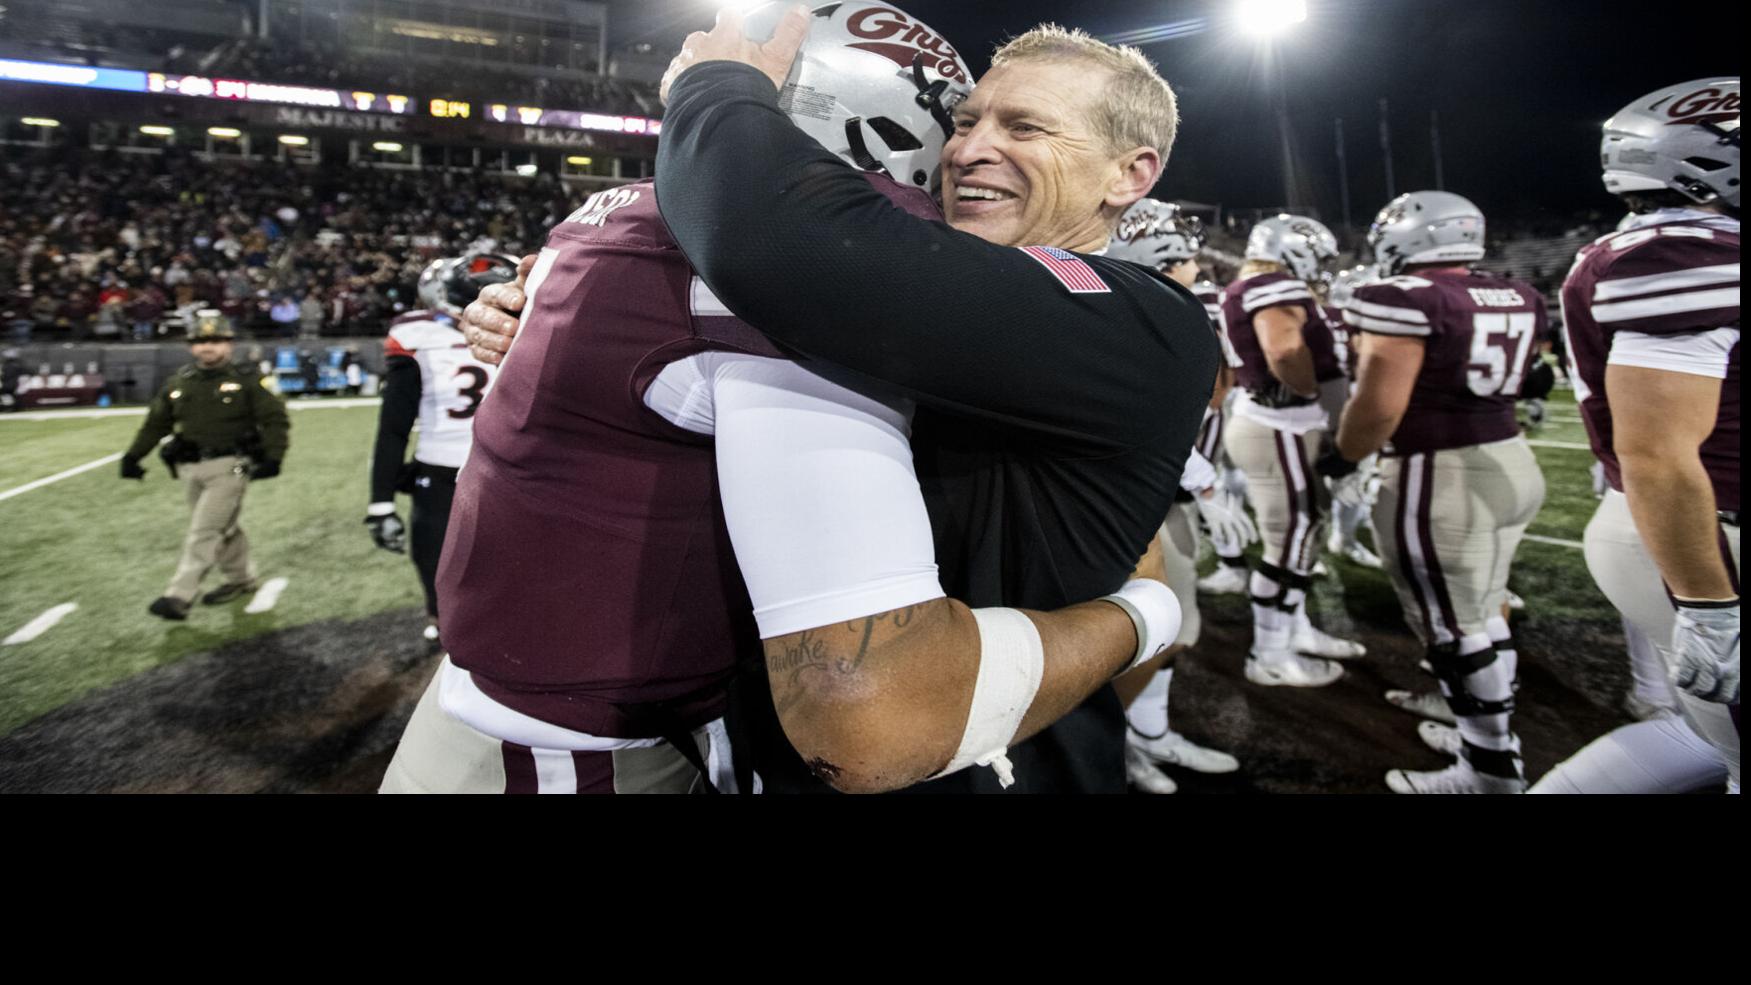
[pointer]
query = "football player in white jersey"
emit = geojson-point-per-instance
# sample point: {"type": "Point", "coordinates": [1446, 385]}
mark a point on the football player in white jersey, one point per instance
{"type": "Point", "coordinates": [429, 381]}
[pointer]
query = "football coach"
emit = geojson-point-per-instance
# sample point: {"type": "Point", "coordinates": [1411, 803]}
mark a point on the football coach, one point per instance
{"type": "Point", "coordinates": [1058, 391]}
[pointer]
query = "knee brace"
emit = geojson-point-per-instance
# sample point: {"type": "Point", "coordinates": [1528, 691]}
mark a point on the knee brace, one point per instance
{"type": "Point", "coordinates": [1278, 588]}
{"type": "Point", "coordinates": [1468, 689]}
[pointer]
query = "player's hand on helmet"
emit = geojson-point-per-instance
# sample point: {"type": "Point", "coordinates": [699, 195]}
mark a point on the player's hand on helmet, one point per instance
{"type": "Point", "coordinates": [489, 323]}
{"type": "Point", "coordinates": [726, 42]}
{"type": "Point", "coordinates": [264, 470]}
{"type": "Point", "coordinates": [131, 469]}
{"type": "Point", "coordinates": [1227, 520]}
{"type": "Point", "coordinates": [1705, 651]}
{"type": "Point", "coordinates": [388, 532]}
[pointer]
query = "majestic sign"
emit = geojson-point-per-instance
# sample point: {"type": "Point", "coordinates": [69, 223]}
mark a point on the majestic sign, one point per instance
{"type": "Point", "coordinates": [338, 120]}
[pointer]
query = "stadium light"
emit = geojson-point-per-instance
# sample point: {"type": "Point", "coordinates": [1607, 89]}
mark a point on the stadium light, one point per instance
{"type": "Point", "coordinates": [154, 130]}
{"type": "Point", "coordinates": [582, 162]}
{"type": "Point", "coordinates": [527, 170]}
{"type": "Point", "coordinates": [39, 121]}
{"type": "Point", "coordinates": [293, 140]}
{"type": "Point", "coordinates": [224, 133]}
{"type": "Point", "coordinates": [1269, 18]}
{"type": "Point", "coordinates": [387, 147]}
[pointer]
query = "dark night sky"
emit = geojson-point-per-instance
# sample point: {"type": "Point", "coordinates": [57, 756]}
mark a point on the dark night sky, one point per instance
{"type": "Point", "coordinates": [1521, 87]}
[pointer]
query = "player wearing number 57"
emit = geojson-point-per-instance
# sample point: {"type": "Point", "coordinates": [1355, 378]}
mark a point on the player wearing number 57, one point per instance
{"type": "Point", "coordinates": [1443, 352]}
{"type": "Point", "coordinates": [430, 379]}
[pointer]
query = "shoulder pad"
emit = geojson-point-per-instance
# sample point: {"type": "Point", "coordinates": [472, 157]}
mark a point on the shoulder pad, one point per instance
{"type": "Point", "coordinates": [410, 337]}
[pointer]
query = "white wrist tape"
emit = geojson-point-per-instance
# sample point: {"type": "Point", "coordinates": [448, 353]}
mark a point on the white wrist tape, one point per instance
{"type": "Point", "coordinates": [380, 509]}
{"type": "Point", "coordinates": [1012, 660]}
{"type": "Point", "coordinates": [1154, 612]}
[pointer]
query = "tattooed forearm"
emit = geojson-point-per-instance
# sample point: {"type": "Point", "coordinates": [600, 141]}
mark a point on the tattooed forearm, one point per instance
{"type": "Point", "coordinates": [819, 662]}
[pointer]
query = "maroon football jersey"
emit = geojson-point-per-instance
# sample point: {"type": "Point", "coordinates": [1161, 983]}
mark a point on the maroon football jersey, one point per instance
{"type": "Point", "coordinates": [587, 573]}
{"type": "Point", "coordinates": [1661, 279]}
{"type": "Point", "coordinates": [1340, 339]}
{"type": "Point", "coordinates": [1248, 296]}
{"type": "Point", "coordinates": [1480, 330]}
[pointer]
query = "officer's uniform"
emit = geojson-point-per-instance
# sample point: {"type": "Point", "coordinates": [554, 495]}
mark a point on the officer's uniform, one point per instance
{"type": "Point", "coordinates": [227, 424]}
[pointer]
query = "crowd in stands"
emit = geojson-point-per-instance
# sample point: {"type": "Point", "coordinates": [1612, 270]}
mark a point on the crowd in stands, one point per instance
{"type": "Point", "coordinates": [332, 67]}
{"type": "Point", "coordinates": [105, 246]}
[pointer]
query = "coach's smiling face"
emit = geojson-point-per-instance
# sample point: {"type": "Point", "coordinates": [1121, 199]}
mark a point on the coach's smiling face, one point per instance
{"type": "Point", "coordinates": [1026, 165]}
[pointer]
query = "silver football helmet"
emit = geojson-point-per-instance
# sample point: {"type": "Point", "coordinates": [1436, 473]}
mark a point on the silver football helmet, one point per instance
{"type": "Point", "coordinates": [448, 284]}
{"type": "Point", "coordinates": [874, 85]}
{"type": "Point", "coordinates": [1683, 137]}
{"type": "Point", "coordinates": [1345, 282]}
{"type": "Point", "coordinates": [1426, 227]}
{"type": "Point", "coordinates": [1302, 245]}
{"type": "Point", "coordinates": [1156, 234]}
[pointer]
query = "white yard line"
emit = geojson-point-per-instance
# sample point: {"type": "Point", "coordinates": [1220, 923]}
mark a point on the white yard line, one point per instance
{"type": "Point", "coordinates": [99, 463]}
{"type": "Point", "coordinates": [1575, 445]}
{"type": "Point", "coordinates": [267, 596]}
{"type": "Point", "coordinates": [41, 624]}
{"type": "Point", "coordinates": [57, 477]}
{"type": "Point", "coordinates": [1558, 541]}
{"type": "Point", "coordinates": [343, 403]}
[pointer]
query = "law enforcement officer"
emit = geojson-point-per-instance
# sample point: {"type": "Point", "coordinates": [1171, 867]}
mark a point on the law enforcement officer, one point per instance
{"type": "Point", "coordinates": [229, 428]}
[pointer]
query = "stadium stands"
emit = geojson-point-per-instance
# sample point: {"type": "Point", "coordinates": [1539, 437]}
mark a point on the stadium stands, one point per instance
{"type": "Point", "coordinates": [104, 246]}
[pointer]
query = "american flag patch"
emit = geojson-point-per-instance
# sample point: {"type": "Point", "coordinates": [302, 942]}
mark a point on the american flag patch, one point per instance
{"type": "Point", "coordinates": [1079, 277]}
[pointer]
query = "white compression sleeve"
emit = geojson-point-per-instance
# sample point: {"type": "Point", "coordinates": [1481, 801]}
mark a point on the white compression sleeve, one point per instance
{"type": "Point", "coordinates": [820, 495]}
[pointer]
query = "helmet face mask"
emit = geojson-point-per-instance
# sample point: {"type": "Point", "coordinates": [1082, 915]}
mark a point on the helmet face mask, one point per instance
{"type": "Point", "coordinates": [1683, 138]}
{"type": "Point", "coordinates": [1302, 246]}
{"type": "Point", "coordinates": [1426, 227]}
{"type": "Point", "coordinates": [449, 284]}
{"type": "Point", "coordinates": [872, 85]}
{"type": "Point", "coordinates": [1157, 234]}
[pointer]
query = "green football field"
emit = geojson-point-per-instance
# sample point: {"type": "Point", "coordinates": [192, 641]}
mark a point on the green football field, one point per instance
{"type": "Point", "coordinates": [109, 546]}
{"type": "Point", "coordinates": [311, 694]}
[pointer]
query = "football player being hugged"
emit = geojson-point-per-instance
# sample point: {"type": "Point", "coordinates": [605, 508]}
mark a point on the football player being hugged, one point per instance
{"type": "Point", "coordinates": [1286, 356]}
{"type": "Point", "coordinates": [430, 381]}
{"type": "Point", "coordinates": [1348, 518]}
{"type": "Point", "coordinates": [1157, 235]}
{"type": "Point", "coordinates": [1442, 352]}
{"type": "Point", "coordinates": [1652, 319]}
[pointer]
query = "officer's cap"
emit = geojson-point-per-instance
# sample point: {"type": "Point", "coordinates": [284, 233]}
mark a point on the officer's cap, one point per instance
{"type": "Point", "coordinates": [210, 326]}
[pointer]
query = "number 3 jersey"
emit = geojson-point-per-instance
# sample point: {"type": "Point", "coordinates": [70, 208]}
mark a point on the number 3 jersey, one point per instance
{"type": "Point", "coordinates": [452, 384]}
{"type": "Point", "coordinates": [1481, 332]}
{"type": "Point", "coordinates": [1662, 294]}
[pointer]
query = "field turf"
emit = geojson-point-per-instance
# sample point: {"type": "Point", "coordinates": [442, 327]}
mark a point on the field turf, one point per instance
{"type": "Point", "coordinates": [310, 695]}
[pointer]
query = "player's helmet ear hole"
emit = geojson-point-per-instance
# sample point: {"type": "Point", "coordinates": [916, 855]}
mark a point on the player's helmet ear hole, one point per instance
{"type": "Point", "coordinates": [919, 178]}
{"type": "Point", "coordinates": [894, 135]}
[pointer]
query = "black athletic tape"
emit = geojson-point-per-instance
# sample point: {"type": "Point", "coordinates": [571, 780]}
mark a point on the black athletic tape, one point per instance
{"type": "Point", "coordinates": [1706, 603]}
{"type": "Point", "coordinates": [1491, 762]}
{"type": "Point", "coordinates": [1284, 577]}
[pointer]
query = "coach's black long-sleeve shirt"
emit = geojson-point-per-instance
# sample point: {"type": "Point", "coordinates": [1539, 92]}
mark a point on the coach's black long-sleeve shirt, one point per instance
{"type": "Point", "coordinates": [1053, 424]}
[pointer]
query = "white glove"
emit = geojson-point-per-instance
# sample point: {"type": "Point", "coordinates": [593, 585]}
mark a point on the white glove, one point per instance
{"type": "Point", "coordinates": [1705, 651]}
{"type": "Point", "coordinates": [1350, 490]}
{"type": "Point", "coordinates": [1599, 483]}
{"type": "Point", "coordinates": [1230, 528]}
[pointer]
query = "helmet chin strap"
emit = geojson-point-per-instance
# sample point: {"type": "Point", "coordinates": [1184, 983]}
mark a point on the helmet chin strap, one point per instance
{"type": "Point", "coordinates": [930, 95]}
{"type": "Point", "coordinates": [859, 150]}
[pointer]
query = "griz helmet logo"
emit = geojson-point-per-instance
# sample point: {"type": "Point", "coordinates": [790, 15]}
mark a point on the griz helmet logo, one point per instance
{"type": "Point", "coordinates": [1152, 223]}
{"type": "Point", "coordinates": [1706, 105]}
{"type": "Point", "coordinates": [878, 24]}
